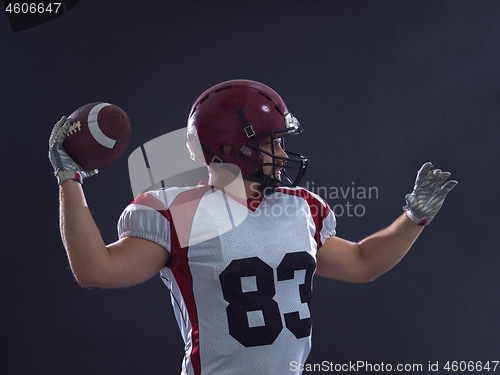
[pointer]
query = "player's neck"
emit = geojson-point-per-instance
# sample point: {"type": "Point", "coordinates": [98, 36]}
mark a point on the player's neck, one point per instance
{"type": "Point", "coordinates": [234, 186]}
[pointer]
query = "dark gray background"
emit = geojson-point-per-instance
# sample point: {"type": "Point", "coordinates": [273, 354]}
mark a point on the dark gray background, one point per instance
{"type": "Point", "coordinates": [380, 87]}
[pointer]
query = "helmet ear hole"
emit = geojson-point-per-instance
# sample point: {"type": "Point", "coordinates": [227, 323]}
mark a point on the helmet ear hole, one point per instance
{"type": "Point", "coordinates": [227, 150]}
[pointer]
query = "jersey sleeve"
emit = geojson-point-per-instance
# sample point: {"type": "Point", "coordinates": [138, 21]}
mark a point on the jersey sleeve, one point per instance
{"type": "Point", "coordinates": [146, 217]}
{"type": "Point", "coordinates": [324, 218]}
{"type": "Point", "coordinates": [321, 213]}
{"type": "Point", "coordinates": [328, 226]}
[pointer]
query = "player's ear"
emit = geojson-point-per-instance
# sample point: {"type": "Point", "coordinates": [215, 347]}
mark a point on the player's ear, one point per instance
{"type": "Point", "coordinates": [228, 151]}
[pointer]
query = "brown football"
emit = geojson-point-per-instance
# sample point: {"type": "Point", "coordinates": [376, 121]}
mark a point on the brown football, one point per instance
{"type": "Point", "coordinates": [99, 133]}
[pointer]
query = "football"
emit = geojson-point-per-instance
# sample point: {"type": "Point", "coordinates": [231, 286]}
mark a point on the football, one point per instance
{"type": "Point", "coordinates": [99, 133]}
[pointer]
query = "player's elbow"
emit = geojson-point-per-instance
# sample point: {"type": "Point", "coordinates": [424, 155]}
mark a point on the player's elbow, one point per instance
{"type": "Point", "coordinates": [103, 279]}
{"type": "Point", "coordinates": [370, 273]}
{"type": "Point", "coordinates": [87, 278]}
{"type": "Point", "coordinates": [352, 276]}
{"type": "Point", "coordinates": [84, 280]}
{"type": "Point", "coordinates": [361, 278]}
{"type": "Point", "coordinates": [367, 279]}
{"type": "Point", "coordinates": [364, 275]}
{"type": "Point", "coordinates": [89, 281]}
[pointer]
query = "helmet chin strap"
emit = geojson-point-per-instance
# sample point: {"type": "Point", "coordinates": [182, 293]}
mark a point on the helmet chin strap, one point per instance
{"type": "Point", "coordinates": [267, 184]}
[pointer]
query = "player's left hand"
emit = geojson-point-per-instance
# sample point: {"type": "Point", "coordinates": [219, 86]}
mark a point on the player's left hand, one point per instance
{"type": "Point", "coordinates": [429, 192]}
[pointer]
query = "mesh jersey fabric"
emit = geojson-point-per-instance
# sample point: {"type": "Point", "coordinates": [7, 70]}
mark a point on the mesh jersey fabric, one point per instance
{"type": "Point", "coordinates": [240, 276]}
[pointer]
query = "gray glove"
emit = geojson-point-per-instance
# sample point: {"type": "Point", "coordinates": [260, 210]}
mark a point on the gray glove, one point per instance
{"type": "Point", "coordinates": [428, 194]}
{"type": "Point", "coordinates": [64, 167]}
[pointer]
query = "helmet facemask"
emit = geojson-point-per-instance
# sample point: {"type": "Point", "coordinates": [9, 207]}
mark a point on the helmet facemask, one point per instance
{"type": "Point", "coordinates": [292, 168]}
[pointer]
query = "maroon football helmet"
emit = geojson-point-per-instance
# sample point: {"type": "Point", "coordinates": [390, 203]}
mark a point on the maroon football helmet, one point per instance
{"type": "Point", "coordinates": [241, 113]}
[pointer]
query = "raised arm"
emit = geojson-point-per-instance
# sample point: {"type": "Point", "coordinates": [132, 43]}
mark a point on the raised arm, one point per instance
{"type": "Point", "coordinates": [126, 262]}
{"type": "Point", "coordinates": [368, 259]}
{"type": "Point", "coordinates": [373, 256]}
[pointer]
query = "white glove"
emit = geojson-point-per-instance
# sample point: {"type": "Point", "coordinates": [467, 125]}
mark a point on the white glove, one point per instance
{"type": "Point", "coordinates": [64, 167]}
{"type": "Point", "coordinates": [428, 194]}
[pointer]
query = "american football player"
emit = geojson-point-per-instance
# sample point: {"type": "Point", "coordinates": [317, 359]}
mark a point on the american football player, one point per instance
{"type": "Point", "coordinates": [240, 278]}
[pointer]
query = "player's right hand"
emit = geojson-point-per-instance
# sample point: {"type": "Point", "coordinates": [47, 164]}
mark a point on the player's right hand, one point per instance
{"type": "Point", "coordinates": [64, 166]}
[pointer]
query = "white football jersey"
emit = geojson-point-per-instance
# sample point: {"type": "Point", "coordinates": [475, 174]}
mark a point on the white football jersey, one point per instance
{"type": "Point", "coordinates": [240, 276]}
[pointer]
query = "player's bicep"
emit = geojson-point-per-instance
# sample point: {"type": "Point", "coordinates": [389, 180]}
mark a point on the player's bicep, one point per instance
{"type": "Point", "coordinates": [132, 261]}
{"type": "Point", "coordinates": [339, 259]}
